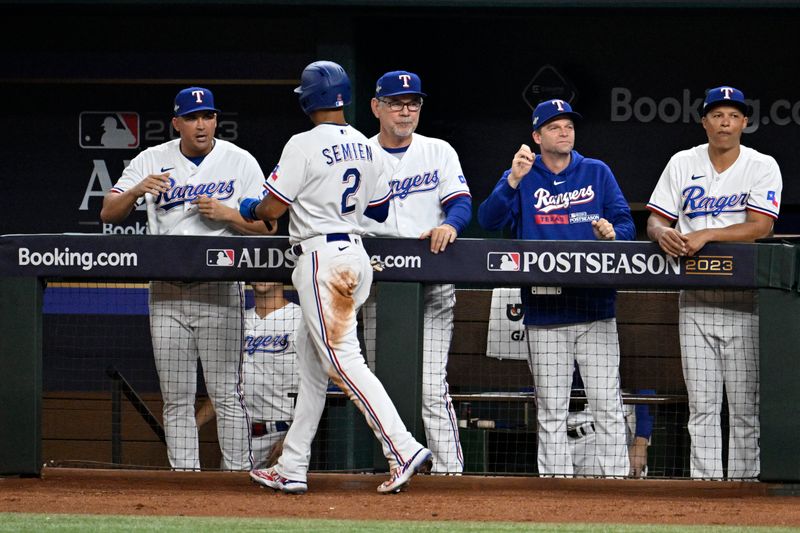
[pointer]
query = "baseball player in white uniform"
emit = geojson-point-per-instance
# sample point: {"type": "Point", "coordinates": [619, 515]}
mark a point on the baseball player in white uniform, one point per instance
{"type": "Point", "coordinates": [431, 200]}
{"type": "Point", "coordinates": [719, 191]}
{"type": "Point", "coordinates": [329, 178]}
{"type": "Point", "coordinates": [192, 186]}
{"type": "Point", "coordinates": [269, 368]}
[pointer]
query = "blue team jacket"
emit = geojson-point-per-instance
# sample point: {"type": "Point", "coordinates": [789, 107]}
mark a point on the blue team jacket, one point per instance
{"type": "Point", "coordinates": [548, 206]}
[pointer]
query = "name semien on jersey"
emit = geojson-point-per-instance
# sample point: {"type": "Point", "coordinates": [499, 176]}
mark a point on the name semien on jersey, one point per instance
{"type": "Point", "coordinates": [177, 195]}
{"type": "Point", "coordinates": [275, 343]}
{"type": "Point", "coordinates": [697, 204]}
{"type": "Point", "coordinates": [427, 181]}
{"type": "Point", "coordinates": [342, 153]}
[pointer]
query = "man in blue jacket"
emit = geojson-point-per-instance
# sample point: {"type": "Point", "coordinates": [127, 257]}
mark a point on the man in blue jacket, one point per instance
{"type": "Point", "coordinates": [561, 195]}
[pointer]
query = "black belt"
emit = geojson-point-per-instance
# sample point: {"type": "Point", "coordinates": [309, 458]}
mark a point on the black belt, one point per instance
{"type": "Point", "coordinates": [580, 431]}
{"type": "Point", "coordinates": [297, 249]}
{"type": "Point", "coordinates": [259, 429]}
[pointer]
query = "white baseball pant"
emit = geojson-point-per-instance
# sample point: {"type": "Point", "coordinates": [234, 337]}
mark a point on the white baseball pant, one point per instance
{"type": "Point", "coordinates": [205, 321]}
{"type": "Point", "coordinates": [332, 281]}
{"type": "Point", "coordinates": [438, 414]}
{"type": "Point", "coordinates": [719, 345]}
{"type": "Point", "coordinates": [553, 353]}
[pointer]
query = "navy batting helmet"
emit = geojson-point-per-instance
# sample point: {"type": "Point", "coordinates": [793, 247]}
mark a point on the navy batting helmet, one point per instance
{"type": "Point", "coordinates": [323, 85]}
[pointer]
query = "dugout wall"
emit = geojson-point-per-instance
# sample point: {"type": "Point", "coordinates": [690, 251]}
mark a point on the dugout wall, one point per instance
{"type": "Point", "coordinates": [640, 102]}
{"type": "Point", "coordinates": [26, 259]}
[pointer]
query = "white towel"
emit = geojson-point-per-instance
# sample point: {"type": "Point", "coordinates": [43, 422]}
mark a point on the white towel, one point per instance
{"type": "Point", "coordinates": [506, 338]}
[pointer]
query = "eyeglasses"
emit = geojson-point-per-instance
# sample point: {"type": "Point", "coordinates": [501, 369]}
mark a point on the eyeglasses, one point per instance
{"type": "Point", "coordinates": [397, 105]}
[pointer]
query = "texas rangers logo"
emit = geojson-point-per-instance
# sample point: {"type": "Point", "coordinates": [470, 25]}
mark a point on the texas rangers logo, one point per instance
{"type": "Point", "coordinates": [546, 202]}
{"type": "Point", "coordinates": [274, 174]}
{"type": "Point", "coordinates": [727, 91]}
{"type": "Point", "coordinates": [502, 261]}
{"type": "Point", "coordinates": [180, 194]}
{"type": "Point", "coordinates": [427, 181]}
{"type": "Point", "coordinates": [220, 257]}
{"type": "Point", "coordinates": [275, 343]}
{"type": "Point", "coordinates": [198, 96]}
{"type": "Point", "coordinates": [108, 129]}
{"type": "Point", "coordinates": [697, 204]}
{"type": "Point", "coordinates": [771, 198]}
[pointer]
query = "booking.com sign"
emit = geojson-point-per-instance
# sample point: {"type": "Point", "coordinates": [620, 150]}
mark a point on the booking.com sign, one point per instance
{"type": "Point", "coordinates": [627, 106]}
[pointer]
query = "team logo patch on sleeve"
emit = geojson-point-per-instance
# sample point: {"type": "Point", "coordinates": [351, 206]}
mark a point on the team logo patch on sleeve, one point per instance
{"type": "Point", "coordinates": [220, 257]}
{"type": "Point", "coordinates": [502, 261]}
{"type": "Point", "coordinates": [771, 198]}
{"type": "Point", "coordinates": [275, 173]}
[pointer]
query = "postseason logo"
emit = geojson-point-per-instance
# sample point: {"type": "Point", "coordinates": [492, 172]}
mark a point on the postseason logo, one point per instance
{"type": "Point", "coordinates": [108, 130]}
{"type": "Point", "coordinates": [502, 261]}
{"type": "Point", "coordinates": [220, 257]}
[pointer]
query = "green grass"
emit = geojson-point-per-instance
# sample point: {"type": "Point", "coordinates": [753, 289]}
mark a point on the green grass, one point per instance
{"type": "Point", "coordinates": [22, 522]}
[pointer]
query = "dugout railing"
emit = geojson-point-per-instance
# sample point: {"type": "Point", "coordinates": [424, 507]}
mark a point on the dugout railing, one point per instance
{"type": "Point", "coordinates": [26, 260]}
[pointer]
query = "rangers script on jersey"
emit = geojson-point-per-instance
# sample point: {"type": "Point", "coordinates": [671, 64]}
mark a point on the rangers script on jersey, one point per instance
{"type": "Point", "coordinates": [270, 363]}
{"type": "Point", "coordinates": [698, 197]}
{"type": "Point", "coordinates": [427, 176]}
{"type": "Point", "coordinates": [228, 173]}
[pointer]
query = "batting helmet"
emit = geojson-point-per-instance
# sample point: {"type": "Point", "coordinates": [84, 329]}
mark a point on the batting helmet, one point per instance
{"type": "Point", "coordinates": [323, 85]}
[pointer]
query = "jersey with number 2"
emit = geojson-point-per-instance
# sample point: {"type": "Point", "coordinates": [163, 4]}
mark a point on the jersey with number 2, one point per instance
{"type": "Point", "coordinates": [328, 176]}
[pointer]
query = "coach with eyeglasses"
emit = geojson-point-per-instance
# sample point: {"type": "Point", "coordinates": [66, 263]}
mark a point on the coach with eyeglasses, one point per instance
{"type": "Point", "coordinates": [430, 200]}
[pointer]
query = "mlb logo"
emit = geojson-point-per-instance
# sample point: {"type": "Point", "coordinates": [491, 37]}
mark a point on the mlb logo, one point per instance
{"type": "Point", "coordinates": [219, 257]}
{"type": "Point", "coordinates": [118, 130]}
{"type": "Point", "coordinates": [502, 261]}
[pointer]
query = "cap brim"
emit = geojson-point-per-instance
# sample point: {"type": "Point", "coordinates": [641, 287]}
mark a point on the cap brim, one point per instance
{"type": "Point", "coordinates": [399, 93]}
{"type": "Point", "coordinates": [730, 103]}
{"type": "Point", "coordinates": [196, 109]}
{"type": "Point", "coordinates": [565, 114]}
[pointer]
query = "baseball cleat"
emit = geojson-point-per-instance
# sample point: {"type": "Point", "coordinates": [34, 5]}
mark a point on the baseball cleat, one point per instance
{"type": "Point", "coordinates": [268, 477]}
{"type": "Point", "coordinates": [422, 461]}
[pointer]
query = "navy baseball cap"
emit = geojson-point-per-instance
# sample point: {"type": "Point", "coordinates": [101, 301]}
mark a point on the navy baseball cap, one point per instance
{"type": "Point", "coordinates": [398, 82]}
{"type": "Point", "coordinates": [194, 99]}
{"type": "Point", "coordinates": [724, 95]}
{"type": "Point", "coordinates": [550, 109]}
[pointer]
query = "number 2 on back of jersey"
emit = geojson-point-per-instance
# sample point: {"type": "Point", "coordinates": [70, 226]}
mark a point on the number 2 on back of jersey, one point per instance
{"type": "Point", "coordinates": [351, 174]}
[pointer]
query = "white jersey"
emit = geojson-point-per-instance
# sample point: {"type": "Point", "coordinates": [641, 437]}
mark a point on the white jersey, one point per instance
{"type": "Point", "coordinates": [228, 173]}
{"type": "Point", "coordinates": [426, 177]}
{"type": "Point", "coordinates": [269, 366]}
{"type": "Point", "coordinates": [698, 197]}
{"type": "Point", "coordinates": [328, 176]}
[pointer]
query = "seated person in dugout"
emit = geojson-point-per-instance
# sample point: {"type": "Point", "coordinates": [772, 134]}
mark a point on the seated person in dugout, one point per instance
{"type": "Point", "coordinates": [269, 371]}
